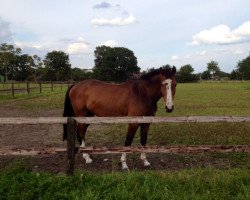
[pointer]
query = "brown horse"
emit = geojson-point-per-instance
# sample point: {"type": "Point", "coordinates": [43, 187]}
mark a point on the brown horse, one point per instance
{"type": "Point", "coordinates": [132, 98]}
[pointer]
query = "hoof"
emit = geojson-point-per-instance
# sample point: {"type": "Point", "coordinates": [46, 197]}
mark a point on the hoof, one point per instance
{"type": "Point", "coordinates": [125, 167]}
{"type": "Point", "coordinates": [89, 161]}
{"type": "Point", "coordinates": [87, 158]}
{"type": "Point", "coordinates": [147, 164]}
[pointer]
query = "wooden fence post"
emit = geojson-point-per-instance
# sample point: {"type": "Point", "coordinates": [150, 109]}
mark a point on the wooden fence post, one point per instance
{"type": "Point", "coordinates": [13, 90]}
{"type": "Point", "coordinates": [40, 87]}
{"type": "Point", "coordinates": [71, 130]}
{"type": "Point", "coordinates": [28, 88]}
{"type": "Point", "coordinates": [52, 87]}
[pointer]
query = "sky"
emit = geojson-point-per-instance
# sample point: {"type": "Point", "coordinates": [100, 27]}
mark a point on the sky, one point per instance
{"type": "Point", "coordinates": [159, 32]}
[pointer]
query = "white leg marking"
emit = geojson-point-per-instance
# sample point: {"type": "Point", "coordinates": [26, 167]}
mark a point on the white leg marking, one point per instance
{"type": "Point", "coordinates": [144, 159]}
{"type": "Point", "coordinates": [85, 155]}
{"type": "Point", "coordinates": [83, 144]}
{"type": "Point", "coordinates": [87, 158]}
{"type": "Point", "coordinates": [123, 160]}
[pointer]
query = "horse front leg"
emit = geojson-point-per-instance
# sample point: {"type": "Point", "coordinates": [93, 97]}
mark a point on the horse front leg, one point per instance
{"type": "Point", "coordinates": [132, 128]}
{"type": "Point", "coordinates": [144, 135]}
{"type": "Point", "coordinates": [81, 130]}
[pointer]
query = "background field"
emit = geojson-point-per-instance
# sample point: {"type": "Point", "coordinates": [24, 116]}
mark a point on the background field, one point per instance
{"type": "Point", "coordinates": [181, 176]}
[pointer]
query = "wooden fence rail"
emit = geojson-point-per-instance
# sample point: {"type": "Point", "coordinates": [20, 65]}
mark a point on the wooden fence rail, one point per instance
{"type": "Point", "coordinates": [72, 121]}
{"type": "Point", "coordinates": [27, 87]}
{"type": "Point", "coordinates": [123, 120]}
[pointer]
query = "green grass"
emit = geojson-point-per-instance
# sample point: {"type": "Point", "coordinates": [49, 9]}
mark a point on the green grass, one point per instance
{"type": "Point", "coordinates": [35, 100]}
{"type": "Point", "coordinates": [219, 98]}
{"type": "Point", "coordinates": [20, 183]}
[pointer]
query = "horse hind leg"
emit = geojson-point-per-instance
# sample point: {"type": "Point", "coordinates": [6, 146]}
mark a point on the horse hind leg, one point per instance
{"type": "Point", "coordinates": [144, 133]}
{"type": "Point", "coordinates": [82, 128]}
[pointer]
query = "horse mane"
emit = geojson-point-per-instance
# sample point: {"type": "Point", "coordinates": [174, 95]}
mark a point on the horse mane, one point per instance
{"type": "Point", "coordinates": [165, 70]}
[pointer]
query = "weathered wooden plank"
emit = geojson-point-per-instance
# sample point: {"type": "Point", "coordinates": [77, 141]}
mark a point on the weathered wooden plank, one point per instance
{"type": "Point", "coordinates": [119, 120]}
{"type": "Point", "coordinates": [148, 149]}
{"type": "Point", "coordinates": [71, 129]}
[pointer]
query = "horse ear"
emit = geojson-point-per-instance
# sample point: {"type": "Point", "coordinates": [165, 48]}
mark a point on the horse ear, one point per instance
{"type": "Point", "coordinates": [174, 70]}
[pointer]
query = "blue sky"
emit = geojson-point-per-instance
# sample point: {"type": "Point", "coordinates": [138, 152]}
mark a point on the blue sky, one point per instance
{"type": "Point", "coordinates": [159, 32]}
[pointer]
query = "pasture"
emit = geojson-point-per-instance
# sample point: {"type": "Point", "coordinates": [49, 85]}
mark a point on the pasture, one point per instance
{"type": "Point", "coordinates": [175, 176]}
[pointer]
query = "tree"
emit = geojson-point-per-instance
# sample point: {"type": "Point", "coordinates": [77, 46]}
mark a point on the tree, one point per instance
{"type": "Point", "coordinates": [206, 75]}
{"type": "Point", "coordinates": [243, 67]}
{"type": "Point", "coordinates": [114, 64]}
{"type": "Point", "coordinates": [235, 75]}
{"type": "Point", "coordinates": [36, 65]}
{"type": "Point", "coordinates": [8, 59]}
{"type": "Point", "coordinates": [213, 67]}
{"type": "Point", "coordinates": [185, 74]}
{"type": "Point", "coordinates": [80, 74]}
{"type": "Point", "coordinates": [23, 70]}
{"type": "Point", "coordinates": [57, 66]}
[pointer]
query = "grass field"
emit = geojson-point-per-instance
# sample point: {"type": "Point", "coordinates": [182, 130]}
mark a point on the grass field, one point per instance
{"type": "Point", "coordinates": [215, 98]}
{"type": "Point", "coordinates": [219, 98]}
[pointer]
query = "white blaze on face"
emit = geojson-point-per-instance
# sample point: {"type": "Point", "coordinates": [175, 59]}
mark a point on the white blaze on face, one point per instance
{"type": "Point", "coordinates": [169, 99]}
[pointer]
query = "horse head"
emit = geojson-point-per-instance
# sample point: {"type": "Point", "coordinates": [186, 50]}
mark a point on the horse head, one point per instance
{"type": "Point", "coordinates": [168, 85]}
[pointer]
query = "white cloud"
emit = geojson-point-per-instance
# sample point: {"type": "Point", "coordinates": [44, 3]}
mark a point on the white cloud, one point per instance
{"type": "Point", "coordinates": [222, 34]}
{"type": "Point", "coordinates": [111, 43]}
{"type": "Point", "coordinates": [115, 21]}
{"type": "Point", "coordinates": [243, 30]}
{"type": "Point", "coordinates": [78, 47]}
{"type": "Point", "coordinates": [238, 52]}
{"type": "Point", "coordinates": [174, 57]}
{"type": "Point", "coordinates": [31, 45]}
{"type": "Point", "coordinates": [203, 53]}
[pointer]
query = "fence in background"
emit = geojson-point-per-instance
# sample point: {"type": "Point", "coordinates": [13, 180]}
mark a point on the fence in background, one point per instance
{"type": "Point", "coordinates": [27, 87]}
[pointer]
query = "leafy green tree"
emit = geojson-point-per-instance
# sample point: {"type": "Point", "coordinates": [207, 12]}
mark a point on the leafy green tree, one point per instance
{"type": "Point", "coordinates": [243, 68]}
{"type": "Point", "coordinates": [57, 66]}
{"type": "Point", "coordinates": [235, 75]}
{"type": "Point", "coordinates": [114, 64]}
{"type": "Point", "coordinates": [36, 64]}
{"type": "Point", "coordinates": [8, 59]}
{"type": "Point", "coordinates": [186, 74]}
{"type": "Point", "coordinates": [206, 75]}
{"type": "Point", "coordinates": [80, 74]}
{"type": "Point", "coordinates": [23, 70]}
{"type": "Point", "coordinates": [213, 67]}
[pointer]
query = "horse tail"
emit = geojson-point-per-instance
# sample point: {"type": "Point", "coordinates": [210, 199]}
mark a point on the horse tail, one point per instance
{"type": "Point", "coordinates": [67, 112]}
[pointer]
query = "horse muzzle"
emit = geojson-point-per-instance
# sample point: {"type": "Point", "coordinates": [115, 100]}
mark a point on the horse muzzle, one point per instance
{"type": "Point", "coordinates": [169, 109]}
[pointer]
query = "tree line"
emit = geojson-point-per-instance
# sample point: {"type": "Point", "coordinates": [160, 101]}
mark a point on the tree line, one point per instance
{"type": "Point", "coordinates": [114, 64]}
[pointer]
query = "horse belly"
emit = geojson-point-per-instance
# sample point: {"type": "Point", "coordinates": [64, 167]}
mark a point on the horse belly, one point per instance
{"type": "Point", "coordinates": [111, 107]}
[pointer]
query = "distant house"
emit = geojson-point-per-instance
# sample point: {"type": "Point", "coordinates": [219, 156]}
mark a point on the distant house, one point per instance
{"type": "Point", "coordinates": [1, 78]}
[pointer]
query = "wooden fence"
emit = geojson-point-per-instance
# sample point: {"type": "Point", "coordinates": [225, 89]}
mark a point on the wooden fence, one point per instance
{"type": "Point", "coordinates": [72, 122]}
{"type": "Point", "coordinates": [27, 87]}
